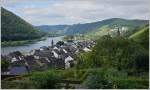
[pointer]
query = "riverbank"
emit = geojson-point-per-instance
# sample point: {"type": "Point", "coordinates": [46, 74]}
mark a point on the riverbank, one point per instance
{"type": "Point", "coordinates": [28, 47]}
{"type": "Point", "coordinates": [20, 43]}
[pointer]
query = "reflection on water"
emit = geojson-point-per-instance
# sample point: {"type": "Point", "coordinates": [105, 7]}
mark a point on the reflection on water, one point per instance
{"type": "Point", "coordinates": [29, 47]}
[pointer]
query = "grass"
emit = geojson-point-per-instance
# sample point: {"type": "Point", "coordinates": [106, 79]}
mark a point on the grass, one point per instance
{"type": "Point", "coordinates": [139, 33]}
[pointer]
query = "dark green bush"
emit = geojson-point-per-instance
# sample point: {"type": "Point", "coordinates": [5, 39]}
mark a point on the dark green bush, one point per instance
{"type": "Point", "coordinates": [111, 78]}
{"type": "Point", "coordinates": [4, 65]}
{"type": "Point", "coordinates": [46, 80]}
{"type": "Point", "coordinates": [131, 83]}
{"type": "Point", "coordinates": [95, 80]}
{"type": "Point", "coordinates": [120, 53]}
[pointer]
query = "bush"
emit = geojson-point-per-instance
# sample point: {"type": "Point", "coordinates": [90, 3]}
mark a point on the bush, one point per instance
{"type": "Point", "coordinates": [4, 65]}
{"type": "Point", "coordinates": [46, 80]}
{"type": "Point", "coordinates": [96, 81]}
{"type": "Point", "coordinates": [131, 83]}
{"type": "Point", "coordinates": [120, 53]}
{"type": "Point", "coordinates": [110, 78]}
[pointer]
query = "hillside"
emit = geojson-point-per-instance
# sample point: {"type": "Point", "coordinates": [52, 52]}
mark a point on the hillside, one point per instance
{"type": "Point", "coordinates": [142, 36]}
{"type": "Point", "coordinates": [53, 29]}
{"type": "Point", "coordinates": [15, 28]}
{"type": "Point", "coordinates": [92, 27]}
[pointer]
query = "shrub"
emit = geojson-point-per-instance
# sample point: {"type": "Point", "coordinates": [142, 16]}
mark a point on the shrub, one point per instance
{"type": "Point", "coordinates": [110, 78]}
{"type": "Point", "coordinates": [96, 81]}
{"type": "Point", "coordinates": [46, 80]}
{"type": "Point", "coordinates": [120, 53]}
{"type": "Point", "coordinates": [4, 65]}
{"type": "Point", "coordinates": [131, 83]}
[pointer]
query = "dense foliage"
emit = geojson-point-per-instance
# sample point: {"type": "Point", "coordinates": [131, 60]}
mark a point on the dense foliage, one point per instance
{"type": "Point", "coordinates": [4, 65]}
{"type": "Point", "coordinates": [120, 53]}
{"type": "Point", "coordinates": [111, 78]}
{"type": "Point", "coordinates": [46, 80]}
{"type": "Point", "coordinates": [15, 29]}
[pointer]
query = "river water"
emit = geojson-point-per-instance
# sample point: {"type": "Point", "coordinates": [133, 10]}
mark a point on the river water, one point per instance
{"type": "Point", "coordinates": [29, 47]}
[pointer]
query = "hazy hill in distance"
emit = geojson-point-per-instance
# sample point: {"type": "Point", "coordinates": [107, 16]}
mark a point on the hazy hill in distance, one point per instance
{"type": "Point", "coordinates": [15, 28]}
{"type": "Point", "coordinates": [92, 27]}
{"type": "Point", "coordinates": [53, 29]}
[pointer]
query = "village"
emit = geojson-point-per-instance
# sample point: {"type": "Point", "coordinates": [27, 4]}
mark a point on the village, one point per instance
{"type": "Point", "coordinates": [57, 56]}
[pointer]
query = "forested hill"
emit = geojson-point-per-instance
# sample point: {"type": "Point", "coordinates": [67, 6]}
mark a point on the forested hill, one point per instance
{"type": "Point", "coordinates": [93, 26]}
{"type": "Point", "coordinates": [15, 28]}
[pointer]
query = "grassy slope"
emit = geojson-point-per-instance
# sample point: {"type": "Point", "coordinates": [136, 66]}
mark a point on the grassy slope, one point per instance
{"type": "Point", "coordinates": [142, 36]}
{"type": "Point", "coordinates": [139, 34]}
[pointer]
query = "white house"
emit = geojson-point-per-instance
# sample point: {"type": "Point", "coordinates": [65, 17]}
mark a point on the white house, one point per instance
{"type": "Point", "coordinates": [36, 57]}
{"type": "Point", "coordinates": [13, 59]}
{"type": "Point", "coordinates": [55, 54]}
{"type": "Point", "coordinates": [32, 52]}
{"type": "Point", "coordinates": [86, 49]}
{"type": "Point", "coordinates": [69, 58]}
{"type": "Point", "coordinates": [64, 50]}
{"type": "Point", "coordinates": [55, 48]}
{"type": "Point", "coordinates": [47, 60]}
{"type": "Point", "coordinates": [67, 61]}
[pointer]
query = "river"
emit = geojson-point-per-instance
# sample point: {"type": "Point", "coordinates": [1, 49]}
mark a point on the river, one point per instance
{"type": "Point", "coordinates": [29, 47]}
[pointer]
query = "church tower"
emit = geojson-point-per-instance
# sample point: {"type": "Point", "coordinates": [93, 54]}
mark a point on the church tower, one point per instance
{"type": "Point", "coordinates": [52, 43]}
{"type": "Point", "coordinates": [118, 32]}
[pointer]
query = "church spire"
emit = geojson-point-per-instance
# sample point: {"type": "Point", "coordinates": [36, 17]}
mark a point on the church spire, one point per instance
{"type": "Point", "coordinates": [52, 43]}
{"type": "Point", "coordinates": [118, 31]}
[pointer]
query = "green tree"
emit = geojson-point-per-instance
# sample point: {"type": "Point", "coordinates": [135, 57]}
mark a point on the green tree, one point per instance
{"type": "Point", "coordinates": [4, 65]}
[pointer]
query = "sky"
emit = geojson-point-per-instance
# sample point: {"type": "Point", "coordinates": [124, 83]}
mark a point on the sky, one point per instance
{"type": "Point", "coordinates": [54, 12]}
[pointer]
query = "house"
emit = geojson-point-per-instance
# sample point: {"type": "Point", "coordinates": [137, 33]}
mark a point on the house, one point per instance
{"type": "Point", "coordinates": [59, 63]}
{"type": "Point", "coordinates": [44, 53]}
{"type": "Point", "coordinates": [18, 63]}
{"type": "Point", "coordinates": [32, 64]}
{"type": "Point", "coordinates": [44, 48]}
{"type": "Point", "coordinates": [13, 59]}
{"type": "Point", "coordinates": [86, 49]}
{"type": "Point", "coordinates": [18, 70]}
{"type": "Point", "coordinates": [56, 48]}
{"type": "Point", "coordinates": [15, 54]}
{"type": "Point", "coordinates": [55, 54]}
{"type": "Point", "coordinates": [64, 51]}
{"type": "Point", "coordinates": [67, 62]}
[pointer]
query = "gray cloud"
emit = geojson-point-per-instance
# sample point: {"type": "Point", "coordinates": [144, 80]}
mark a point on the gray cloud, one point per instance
{"type": "Point", "coordinates": [39, 12]}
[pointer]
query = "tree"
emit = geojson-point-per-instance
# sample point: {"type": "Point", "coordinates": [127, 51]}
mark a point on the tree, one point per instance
{"type": "Point", "coordinates": [4, 65]}
{"type": "Point", "coordinates": [60, 43]}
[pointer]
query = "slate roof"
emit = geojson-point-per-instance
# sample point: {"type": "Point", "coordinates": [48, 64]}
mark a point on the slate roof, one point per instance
{"type": "Point", "coordinates": [15, 54]}
{"type": "Point", "coordinates": [54, 57]}
{"type": "Point", "coordinates": [18, 70]}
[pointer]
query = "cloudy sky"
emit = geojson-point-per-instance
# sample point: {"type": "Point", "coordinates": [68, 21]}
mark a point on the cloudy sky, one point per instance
{"type": "Point", "coordinates": [51, 12]}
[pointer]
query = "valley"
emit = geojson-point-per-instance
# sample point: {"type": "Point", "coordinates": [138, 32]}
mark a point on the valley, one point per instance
{"type": "Point", "coordinates": [107, 54]}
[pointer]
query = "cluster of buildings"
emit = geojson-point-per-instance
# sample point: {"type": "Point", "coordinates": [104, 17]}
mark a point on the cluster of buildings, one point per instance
{"type": "Point", "coordinates": [58, 56]}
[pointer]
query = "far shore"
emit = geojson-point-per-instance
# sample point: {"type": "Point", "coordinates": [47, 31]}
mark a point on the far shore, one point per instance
{"type": "Point", "coordinates": [23, 42]}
